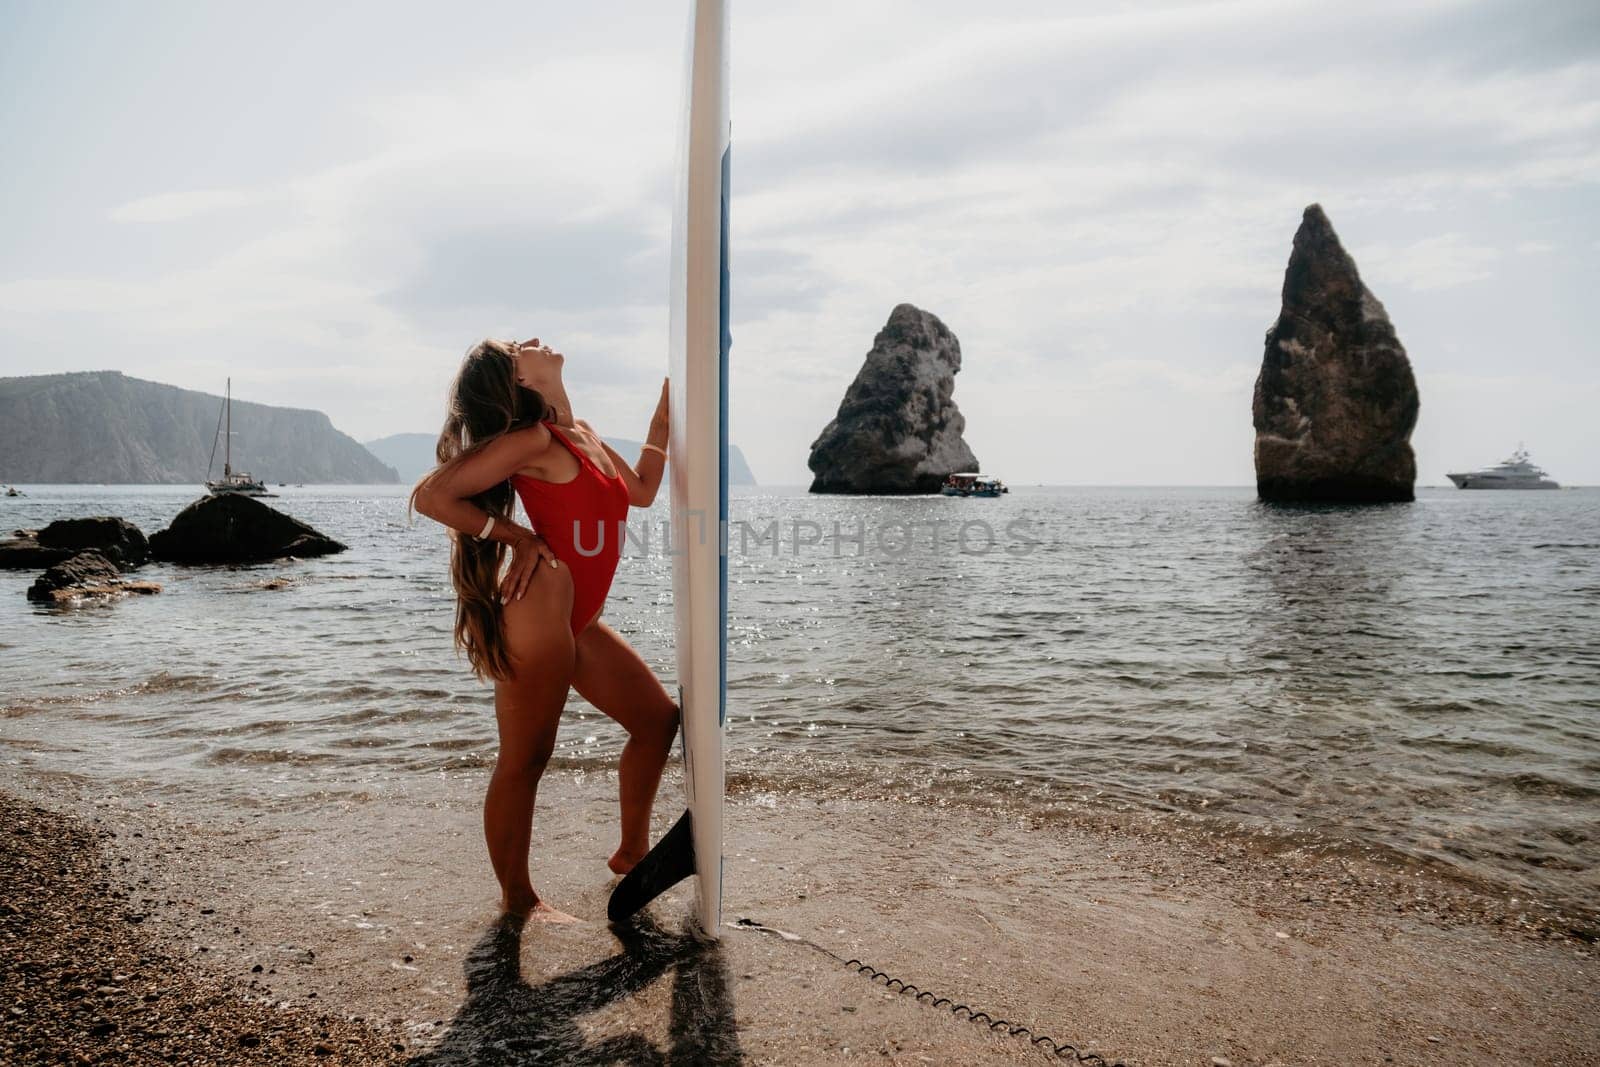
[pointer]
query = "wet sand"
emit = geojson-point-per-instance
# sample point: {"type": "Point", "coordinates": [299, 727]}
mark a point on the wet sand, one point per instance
{"type": "Point", "coordinates": [381, 906]}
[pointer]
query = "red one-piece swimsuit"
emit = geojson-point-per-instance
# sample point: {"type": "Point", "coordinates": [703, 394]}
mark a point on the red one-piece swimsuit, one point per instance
{"type": "Point", "coordinates": [582, 520]}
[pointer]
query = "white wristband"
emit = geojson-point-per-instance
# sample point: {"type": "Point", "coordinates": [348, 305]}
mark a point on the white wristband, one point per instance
{"type": "Point", "coordinates": [487, 527]}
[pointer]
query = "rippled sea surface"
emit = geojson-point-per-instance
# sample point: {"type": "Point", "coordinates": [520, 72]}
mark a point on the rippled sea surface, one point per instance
{"type": "Point", "coordinates": [1414, 681]}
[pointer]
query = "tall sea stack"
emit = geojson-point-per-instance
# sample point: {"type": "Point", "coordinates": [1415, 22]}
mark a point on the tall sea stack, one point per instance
{"type": "Point", "coordinates": [898, 429]}
{"type": "Point", "coordinates": [1335, 402]}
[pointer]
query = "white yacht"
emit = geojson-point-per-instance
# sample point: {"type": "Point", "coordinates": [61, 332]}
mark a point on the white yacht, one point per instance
{"type": "Point", "coordinates": [1518, 472]}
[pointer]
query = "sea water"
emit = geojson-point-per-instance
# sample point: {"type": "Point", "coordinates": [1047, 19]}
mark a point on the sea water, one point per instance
{"type": "Point", "coordinates": [1418, 682]}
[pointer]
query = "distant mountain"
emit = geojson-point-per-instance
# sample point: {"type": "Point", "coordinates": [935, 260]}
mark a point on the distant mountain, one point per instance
{"type": "Point", "coordinates": [409, 453]}
{"type": "Point", "coordinates": [102, 426]}
{"type": "Point", "coordinates": [412, 455]}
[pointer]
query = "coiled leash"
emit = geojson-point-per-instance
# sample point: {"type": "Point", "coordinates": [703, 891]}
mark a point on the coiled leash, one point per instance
{"type": "Point", "coordinates": [1045, 1043]}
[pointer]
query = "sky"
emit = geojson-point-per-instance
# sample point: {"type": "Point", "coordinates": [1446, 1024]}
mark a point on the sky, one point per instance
{"type": "Point", "coordinates": [332, 202]}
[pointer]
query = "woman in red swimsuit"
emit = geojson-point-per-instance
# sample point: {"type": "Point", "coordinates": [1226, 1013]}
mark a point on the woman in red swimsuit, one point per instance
{"type": "Point", "coordinates": [528, 601]}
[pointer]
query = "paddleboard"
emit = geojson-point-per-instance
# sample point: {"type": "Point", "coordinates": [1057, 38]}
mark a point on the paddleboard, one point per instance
{"type": "Point", "coordinates": [698, 445]}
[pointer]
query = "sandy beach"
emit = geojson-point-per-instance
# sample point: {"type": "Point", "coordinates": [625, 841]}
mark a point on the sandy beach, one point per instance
{"type": "Point", "coordinates": [369, 932]}
{"type": "Point", "coordinates": [84, 981]}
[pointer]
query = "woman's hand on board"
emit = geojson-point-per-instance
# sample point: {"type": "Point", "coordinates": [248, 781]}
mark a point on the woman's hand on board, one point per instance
{"type": "Point", "coordinates": [527, 552]}
{"type": "Point", "coordinates": [660, 422]}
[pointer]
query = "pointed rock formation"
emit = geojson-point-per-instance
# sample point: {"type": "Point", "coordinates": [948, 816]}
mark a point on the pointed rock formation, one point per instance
{"type": "Point", "coordinates": [897, 430]}
{"type": "Point", "coordinates": [1335, 402]}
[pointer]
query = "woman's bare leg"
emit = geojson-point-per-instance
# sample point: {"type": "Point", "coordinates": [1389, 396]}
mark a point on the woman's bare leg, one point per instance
{"type": "Point", "coordinates": [609, 674]}
{"type": "Point", "coordinates": [527, 706]}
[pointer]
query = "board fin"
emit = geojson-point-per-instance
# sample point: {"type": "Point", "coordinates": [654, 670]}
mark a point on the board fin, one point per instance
{"type": "Point", "coordinates": [670, 862]}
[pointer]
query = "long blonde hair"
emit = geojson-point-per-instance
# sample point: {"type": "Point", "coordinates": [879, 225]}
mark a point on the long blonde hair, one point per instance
{"type": "Point", "coordinates": [486, 402]}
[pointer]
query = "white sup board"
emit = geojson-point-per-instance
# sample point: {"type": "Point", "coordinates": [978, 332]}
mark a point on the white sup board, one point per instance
{"type": "Point", "coordinates": [698, 445]}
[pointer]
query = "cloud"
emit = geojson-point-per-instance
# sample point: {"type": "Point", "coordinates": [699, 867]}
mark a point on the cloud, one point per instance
{"type": "Point", "coordinates": [1440, 262]}
{"type": "Point", "coordinates": [1120, 374]}
{"type": "Point", "coordinates": [1099, 203]}
{"type": "Point", "coordinates": [571, 266]}
{"type": "Point", "coordinates": [175, 207]}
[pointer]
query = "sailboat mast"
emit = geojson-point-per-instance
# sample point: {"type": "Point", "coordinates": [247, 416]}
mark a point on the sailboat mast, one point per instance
{"type": "Point", "coordinates": [227, 456]}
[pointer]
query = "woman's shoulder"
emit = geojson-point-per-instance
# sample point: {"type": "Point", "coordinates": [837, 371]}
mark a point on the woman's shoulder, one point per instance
{"type": "Point", "coordinates": [527, 446]}
{"type": "Point", "coordinates": [590, 434]}
{"type": "Point", "coordinates": [601, 449]}
{"type": "Point", "coordinates": [580, 432]}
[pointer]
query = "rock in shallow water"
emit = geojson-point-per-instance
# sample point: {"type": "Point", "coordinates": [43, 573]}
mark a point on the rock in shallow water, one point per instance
{"type": "Point", "coordinates": [22, 551]}
{"type": "Point", "coordinates": [898, 429]}
{"type": "Point", "coordinates": [237, 529]}
{"type": "Point", "coordinates": [1335, 402]}
{"type": "Point", "coordinates": [117, 539]}
{"type": "Point", "coordinates": [84, 569]}
{"type": "Point", "coordinates": [88, 573]}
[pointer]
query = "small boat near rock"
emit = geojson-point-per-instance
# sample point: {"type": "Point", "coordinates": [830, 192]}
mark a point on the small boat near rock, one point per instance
{"type": "Point", "coordinates": [971, 483]}
{"type": "Point", "coordinates": [236, 482]}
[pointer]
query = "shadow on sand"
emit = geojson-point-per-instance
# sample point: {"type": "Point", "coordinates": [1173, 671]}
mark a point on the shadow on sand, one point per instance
{"type": "Point", "coordinates": [506, 1020]}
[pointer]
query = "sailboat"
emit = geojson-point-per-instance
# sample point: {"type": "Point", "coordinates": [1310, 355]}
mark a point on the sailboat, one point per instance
{"type": "Point", "coordinates": [232, 481]}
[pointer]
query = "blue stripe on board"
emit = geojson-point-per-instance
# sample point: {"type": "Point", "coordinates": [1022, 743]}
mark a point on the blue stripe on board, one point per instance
{"type": "Point", "coordinates": [726, 341]}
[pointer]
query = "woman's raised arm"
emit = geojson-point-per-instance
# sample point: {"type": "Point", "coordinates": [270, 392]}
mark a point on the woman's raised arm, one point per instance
{"type": "Point", "coordinates": [644, 478]}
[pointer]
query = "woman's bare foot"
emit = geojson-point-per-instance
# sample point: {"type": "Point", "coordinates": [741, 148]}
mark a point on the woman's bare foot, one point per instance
{"type": "Point", "coordinates": [624, 860]}
{"type": "Point", "coordinates": [528, 905]}
{"type": "Point", "coordinates": [544, 913]}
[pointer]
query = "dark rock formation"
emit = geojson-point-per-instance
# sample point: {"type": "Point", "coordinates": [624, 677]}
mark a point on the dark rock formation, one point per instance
{"type": "Point", "coordinates": [1335, 402]}
{"type": "Point", "coordinates": [87, 573]}
{"type": "Point", "coordinates": [236, 529]}
{"type": "Point", "coordinates": [84, 568]}
{"type": "Point", "coordinates": [898, 429]}
{"type": "Point", "coordinates": [118, 540]}
{"type": "Point", "coordinates": [24, 552]}
{"type": "Point", "coordinates": [103, 426]}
